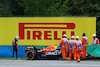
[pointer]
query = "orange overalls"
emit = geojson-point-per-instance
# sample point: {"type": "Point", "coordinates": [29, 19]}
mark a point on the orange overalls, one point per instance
{"type": "Point", "coordinates": [78, 46]}
{"type": "Point", "coordinates": [95, 41]}
{"type": "Point", "coordinates": [84, 46]}
{"type": "Point", "coordinates": [64, 47]}
{"type": "Point", "coordinates": [71, 46]}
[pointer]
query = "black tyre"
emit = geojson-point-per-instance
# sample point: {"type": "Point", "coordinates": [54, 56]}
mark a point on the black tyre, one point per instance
{"type": "Point", "coordinates": [30, 55]}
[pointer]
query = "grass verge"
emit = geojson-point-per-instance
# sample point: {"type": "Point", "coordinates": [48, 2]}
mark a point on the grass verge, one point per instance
{"type": "Point", "coordinates": [26, 59]}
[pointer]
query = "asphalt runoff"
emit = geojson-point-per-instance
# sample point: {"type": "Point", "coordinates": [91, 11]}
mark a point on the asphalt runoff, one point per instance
{"type": "Point", "coordinates": [47, 63]}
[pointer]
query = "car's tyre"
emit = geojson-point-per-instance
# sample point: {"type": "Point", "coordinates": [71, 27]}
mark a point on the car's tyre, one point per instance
{"type": "Point", "coordinates": [30, 55]}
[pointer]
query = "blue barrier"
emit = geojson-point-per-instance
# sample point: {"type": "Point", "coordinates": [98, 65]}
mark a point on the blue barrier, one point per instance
{"type": "Point", "coordinates": [6, 51]}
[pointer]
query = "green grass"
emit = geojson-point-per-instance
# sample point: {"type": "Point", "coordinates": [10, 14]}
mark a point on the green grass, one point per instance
{"type": "Point", "coordinates": [14, 59]}
{"type": "Point", "coordinates": [26, 59]}
{"type": "Point", "coordinates": [92, 60]}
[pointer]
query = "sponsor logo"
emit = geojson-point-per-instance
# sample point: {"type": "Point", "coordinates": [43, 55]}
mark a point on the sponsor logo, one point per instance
{"type": "Point", "coordinates": [54, 53]}
{"type": "Point", "coordinates": [23, 26]}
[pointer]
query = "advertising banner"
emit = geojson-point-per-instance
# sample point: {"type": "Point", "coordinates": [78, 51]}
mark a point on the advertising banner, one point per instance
{"type": "Point", "coordinates": [44, 30]}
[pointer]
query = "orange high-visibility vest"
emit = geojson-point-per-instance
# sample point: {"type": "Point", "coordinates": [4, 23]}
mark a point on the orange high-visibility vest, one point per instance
{"type": "Point", "coordinates": [64, 42]}
{"type": "Point", "coordinates": [78, 45]}
{"type": "Point", "coordinates": [84, 40]}
{"type": "Point", "coordinates": [71, 44]}
{"type": "Point", "coordinates": [95, 41]}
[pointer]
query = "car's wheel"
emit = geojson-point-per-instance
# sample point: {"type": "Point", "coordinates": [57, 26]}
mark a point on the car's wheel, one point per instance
{"type": "Point", "coordinates": [30, 55]}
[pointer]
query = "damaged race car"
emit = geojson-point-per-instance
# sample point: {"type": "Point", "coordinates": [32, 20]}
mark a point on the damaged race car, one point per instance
{"type": "Point", "coordinates": [50, 52]}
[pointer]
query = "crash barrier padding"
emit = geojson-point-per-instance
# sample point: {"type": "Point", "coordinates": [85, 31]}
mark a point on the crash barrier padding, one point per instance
{"type": "Point", "coordinates": [94, 50]}
{"type": "Point", "coordinates": [6, 51]}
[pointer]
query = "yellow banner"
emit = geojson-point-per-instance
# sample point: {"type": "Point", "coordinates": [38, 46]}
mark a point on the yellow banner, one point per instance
{"type": "Point", "coordinates": [44, 30]}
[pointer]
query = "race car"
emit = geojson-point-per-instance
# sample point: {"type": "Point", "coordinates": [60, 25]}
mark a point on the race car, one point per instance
{"type": "Point", "coordinates": [50, 52]}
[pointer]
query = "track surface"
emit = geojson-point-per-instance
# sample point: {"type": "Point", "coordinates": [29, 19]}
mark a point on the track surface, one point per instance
{"type": "Point", "coordinates": [47, 63]}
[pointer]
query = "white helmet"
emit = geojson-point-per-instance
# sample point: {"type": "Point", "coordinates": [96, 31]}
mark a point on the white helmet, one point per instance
{"type": "Point", "coordinates": [64, 35]}
{"type": "Point", "coordinates": [77, 37]}
{"type": "Point", "coordinates": [72, 37]}
{"type": "Point", "coordinates": [94, 35]}
{"type": "Point", "coordinates": [17, 37]}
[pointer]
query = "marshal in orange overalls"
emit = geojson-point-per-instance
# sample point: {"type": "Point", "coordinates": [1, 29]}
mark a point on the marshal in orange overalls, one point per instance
{"type": "Point", "coordinates": [64, 47]}
{"type": "Point", "coordinates": [84, 46]}
{"type": "Point", "coordinates": [95, 40]}
{"type": "Point", "coordinates": [71, 46]}
{"type": "Point", "coordinates": [78, 47]}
